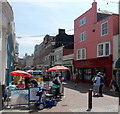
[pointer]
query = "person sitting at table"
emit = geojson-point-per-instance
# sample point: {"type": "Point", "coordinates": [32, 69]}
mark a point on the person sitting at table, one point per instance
{"type": "Point", "coordinates": [21, 85]}
{"type": "Point", "coordinates": [34, 82]}
{"type": "Point", "coordinates": [8, 90]}
{"type": "Point", "coordinates": [12, 86]}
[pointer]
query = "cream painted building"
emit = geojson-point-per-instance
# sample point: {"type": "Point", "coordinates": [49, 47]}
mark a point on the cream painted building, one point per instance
{"type": "Point", "coordinates": [116, 49]}
{"type": "Point", "coordinates": [58, 56]}
{"type": "Point", "coordinates": [6, 29]}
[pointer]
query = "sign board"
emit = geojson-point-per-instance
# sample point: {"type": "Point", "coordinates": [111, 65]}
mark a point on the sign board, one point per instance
{"type": "Point", "coordinates": [19, 96]}
{"type": "Point", "coordinates": [32, 94]}
{"type": "Point", "coordinates": [70, 62]}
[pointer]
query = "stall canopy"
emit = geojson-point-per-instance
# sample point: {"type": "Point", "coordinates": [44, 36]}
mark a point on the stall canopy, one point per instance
{"type": "Point", "coordinates": [20, 73]}
{"type": "Point", "coordinates": [56, 68]}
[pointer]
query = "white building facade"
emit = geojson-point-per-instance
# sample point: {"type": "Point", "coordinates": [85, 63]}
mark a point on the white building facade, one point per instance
{"type": "Point", "coordinates": [6, 29]}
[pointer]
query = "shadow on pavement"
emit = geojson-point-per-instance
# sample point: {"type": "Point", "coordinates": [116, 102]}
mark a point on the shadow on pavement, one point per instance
{"type": "Point", "coordinates": [81, 87]}
{"type": "Point", "coordinates": [84, 88]}
{"type": "Point", "coordinates": [18, 107]}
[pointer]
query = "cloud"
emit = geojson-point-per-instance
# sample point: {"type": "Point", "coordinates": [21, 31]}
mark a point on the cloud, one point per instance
{"type": "Point", "coordinates": [30, 40]}
{"type": "Point", "coordinates": [59, 20]}
{"type": "Point", "coordinates": [44, 1]}
{"type": "Point", "coordinates": [27, 44]}
{"type": "Point", "coordinates": [60, 1]}
{"type": "Point", "coordinates": [102, 0]}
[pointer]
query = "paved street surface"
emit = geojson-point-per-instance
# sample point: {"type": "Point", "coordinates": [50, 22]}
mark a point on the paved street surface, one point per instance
{"type": "Point", "coordinates": [76, 100]}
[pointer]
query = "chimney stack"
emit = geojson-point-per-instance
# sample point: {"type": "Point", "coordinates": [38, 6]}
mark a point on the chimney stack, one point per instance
{"type": "Point", "coordinates": [61, 31]}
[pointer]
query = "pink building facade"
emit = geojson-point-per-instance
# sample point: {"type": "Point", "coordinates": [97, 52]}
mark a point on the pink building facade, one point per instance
{"type": "Point", "coordinates": [93, 43]}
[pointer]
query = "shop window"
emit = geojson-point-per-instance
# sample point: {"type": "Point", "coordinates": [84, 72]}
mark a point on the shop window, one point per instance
{"type": "Point", "coordinates": [87, 74]}
{"type": "Point", "coordinates": [103, 49]}
{"type": "Point", "coordinates": [81, 54]}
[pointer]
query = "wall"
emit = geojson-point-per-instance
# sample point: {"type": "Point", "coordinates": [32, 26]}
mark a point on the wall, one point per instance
{"type": "Point", "coordinates": [6, 18]}
{"type": "Point", "coordinates": [93, 38]}
{"type": "Point", "coordinates": [91, 18]}
{"type": "Point", "coordinates": [116, 49]}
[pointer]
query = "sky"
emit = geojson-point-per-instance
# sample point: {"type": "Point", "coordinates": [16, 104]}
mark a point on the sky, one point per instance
{"type": "Point", "coordinates": [36, 18]}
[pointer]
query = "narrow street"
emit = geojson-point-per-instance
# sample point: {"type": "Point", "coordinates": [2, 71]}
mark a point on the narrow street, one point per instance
{"type": "Point", "coordinates": [76, 100]}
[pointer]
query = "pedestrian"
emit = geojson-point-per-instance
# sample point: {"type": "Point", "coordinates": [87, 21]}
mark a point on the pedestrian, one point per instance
{"type": "Point", "coordinates": [96, 85]}
{"type": "Point", "coordinates": [113, 85]}
{"type": "Point", "coordinates": [102, 81]}
{"type": "Point", "coordinates": [75, 79]}
{"type": "Point", "coordinates": [27, 82]}
{"type": "Point", "coordinates": [8, 90]}
{"type": "Point", "coordinates": [56, 84]}
{"type": "Point", "coordinates": [12, 86]}
{"type": "Point", "coordinates": [20, 85]}
{"type": "Point", "coordinates": [61, 85]}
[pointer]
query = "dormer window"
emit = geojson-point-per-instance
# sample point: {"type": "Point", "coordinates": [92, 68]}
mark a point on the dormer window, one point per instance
{"type": "Point", "coordinates": [82, 21]}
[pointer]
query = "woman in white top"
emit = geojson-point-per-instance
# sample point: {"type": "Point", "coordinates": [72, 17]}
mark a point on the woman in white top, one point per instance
{"type": "Point", "coordinates": [96, 85]}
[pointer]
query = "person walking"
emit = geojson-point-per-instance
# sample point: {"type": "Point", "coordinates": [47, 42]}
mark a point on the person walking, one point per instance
{"type": "Point", "coordinates": [113, 85]}
{"type": "Point", "coordinates": [75, 79]}
{"type": "Point", "coordinates": [102, 80]}
{"type": "Point", "coordinates": [96, 85]}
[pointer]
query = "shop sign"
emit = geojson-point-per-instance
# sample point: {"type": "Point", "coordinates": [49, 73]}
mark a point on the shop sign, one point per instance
{"type": "Point", "coordinates": [98, 62]}
{"type": "Point", "coordinates": [68, 62]}
{"type": "Point", "coordinates": [32, 94]}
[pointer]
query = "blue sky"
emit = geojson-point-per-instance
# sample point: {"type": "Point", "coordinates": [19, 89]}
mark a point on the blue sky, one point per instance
{"type": "Point", "coordinates": [41, 17]}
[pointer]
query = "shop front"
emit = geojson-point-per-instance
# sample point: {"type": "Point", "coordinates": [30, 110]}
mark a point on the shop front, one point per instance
{"type": "Point", "coordinates": [86, 69]}
{"type": "Point", "coordinates": [69, 64]}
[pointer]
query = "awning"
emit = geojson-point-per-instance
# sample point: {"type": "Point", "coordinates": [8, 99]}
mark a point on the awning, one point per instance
{"type": "Point", "coordinates": [117, 64]}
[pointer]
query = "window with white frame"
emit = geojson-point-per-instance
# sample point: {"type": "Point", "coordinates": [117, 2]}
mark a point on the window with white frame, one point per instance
{"type": "Point", "coordinates": [82, 21]}
{"type": "Point", "coordinates": [81, 54]}
{"type": "Point", "coordinates": [82, 36]}
{"type": "Point", "coordinates": [104, 28]}
{"type": "Point", "coordinates": [103, 49]}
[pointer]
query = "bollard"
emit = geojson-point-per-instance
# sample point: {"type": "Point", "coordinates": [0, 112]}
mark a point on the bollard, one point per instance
{"type": "Point", "coordinates": [90, 99]}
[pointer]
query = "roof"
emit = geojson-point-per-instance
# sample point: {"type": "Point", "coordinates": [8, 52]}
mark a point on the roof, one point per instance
{"type": "Point", "coordinates": [102, 14]}
{"type": "Point", "coordinates": [105, 12]}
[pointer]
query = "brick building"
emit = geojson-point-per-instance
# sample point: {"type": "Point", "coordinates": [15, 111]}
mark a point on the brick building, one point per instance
{"type": "Point", "coordinates": [44, 53]}
{"type": "Point", "coordinates": [94, 43]}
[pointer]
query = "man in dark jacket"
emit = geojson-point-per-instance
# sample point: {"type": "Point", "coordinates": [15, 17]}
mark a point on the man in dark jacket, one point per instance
{"type": "Point", "coordinates": [34, 82]}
